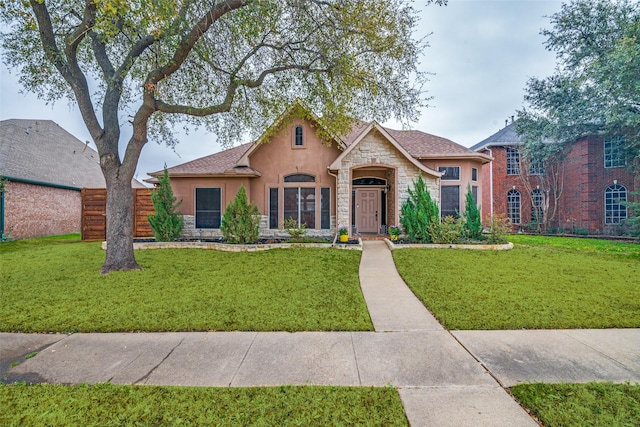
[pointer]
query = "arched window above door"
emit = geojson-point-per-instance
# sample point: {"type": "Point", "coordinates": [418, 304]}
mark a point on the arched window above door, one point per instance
{"type": "Point", "coordinates": [369, 181]}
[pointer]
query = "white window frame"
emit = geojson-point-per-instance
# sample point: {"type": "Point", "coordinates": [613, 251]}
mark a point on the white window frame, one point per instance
{"type": "Point", "coordinates": [614, 155]}
{"type": "Point", "coordinates": [614, 211]}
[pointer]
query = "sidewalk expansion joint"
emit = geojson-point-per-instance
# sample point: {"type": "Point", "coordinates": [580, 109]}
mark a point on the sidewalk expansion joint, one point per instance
{"type": "Point", "coordinates": [355, 358]}
{"type": "Point", "coordinates": [495, 378]}
{"type": "Point", "coordinates": [605, 355]}
{"type": "Point", "coordinates": [244, 357]}
{"type": "Point", "coordinates": [148, 374]}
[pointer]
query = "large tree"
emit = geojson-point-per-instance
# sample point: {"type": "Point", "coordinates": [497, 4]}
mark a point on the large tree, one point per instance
{"type": "Point", "coordinates": [596, 87]}
{"type": "Point", "coordinates": [232, 65]}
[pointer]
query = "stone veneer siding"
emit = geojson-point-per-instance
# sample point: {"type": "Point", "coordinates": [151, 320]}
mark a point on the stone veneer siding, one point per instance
{"type": "Point", "coordinates": [375, 150]}
{"type": "Point", "coordinates": [189, 231]}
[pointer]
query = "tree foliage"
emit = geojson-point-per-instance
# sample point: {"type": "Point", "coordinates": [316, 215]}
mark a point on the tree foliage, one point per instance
{"type": "Point", "coordinates": [596, 87]}
{"type": "Point", "coordinates": [241, 220]}
{"type": "Point", "coordinates": [419, 211]}
{"type": "Point", "coordinates": [165, 222]}
{"type": "Point", "coordinates": [633, 222]}
{"type": "Point", "coordinates": [229, 65]}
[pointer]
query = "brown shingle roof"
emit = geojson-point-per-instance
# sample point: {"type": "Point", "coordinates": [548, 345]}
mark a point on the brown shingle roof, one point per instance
{"type": "Point", "coordinates": [222, 162]}
{"type": "Point", "coordinates": [423, 145]}
{"type": "Point", "coordinates": [419, 145]}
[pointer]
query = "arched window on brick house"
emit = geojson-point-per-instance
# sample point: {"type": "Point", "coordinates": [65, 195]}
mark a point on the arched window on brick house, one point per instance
{"type": "Point", "coordinates": [513, 206]}
{"type": "Point", "coordinates": [614, 209]}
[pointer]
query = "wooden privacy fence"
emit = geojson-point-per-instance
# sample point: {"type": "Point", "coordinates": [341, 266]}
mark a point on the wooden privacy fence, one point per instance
{"type": "Point", "coordinates": [94, 208]}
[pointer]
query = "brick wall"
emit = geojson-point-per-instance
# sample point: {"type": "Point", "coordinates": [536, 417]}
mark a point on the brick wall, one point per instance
{"type": "Point", "coordinates": [581, 205]}
{"type": "Point", "coordinates": [36, 210]}
{"type": "Point", "coordinates": [586, 179]}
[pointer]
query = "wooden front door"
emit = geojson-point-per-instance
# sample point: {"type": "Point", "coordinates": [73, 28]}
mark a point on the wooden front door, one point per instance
{"type": "Point", "coordinates": [367, 210]}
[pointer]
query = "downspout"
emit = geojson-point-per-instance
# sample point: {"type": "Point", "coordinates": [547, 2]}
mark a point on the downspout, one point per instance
{"type": "Point", "coordinates": [491, 181]}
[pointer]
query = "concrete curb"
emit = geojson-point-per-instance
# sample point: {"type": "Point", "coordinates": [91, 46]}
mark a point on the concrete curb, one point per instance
{"type": "Point", "coordinates": [394, 246]}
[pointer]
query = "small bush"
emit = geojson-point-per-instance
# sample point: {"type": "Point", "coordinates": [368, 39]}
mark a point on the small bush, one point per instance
{"type": "Point", "coordinates": [581, 231]}
{"type": "Point", "coordinates": [166, 223]}
{"type": "Point", "coordinates": [241, 220]}
{"type": "Point", "coordinates": [499, 226]}
{"type": "Point", "coordinates": [293, 229]}
{"type": "Point", "coordinates": [419, 211]}
{"type": "Point", "coordinates": [449, 231]}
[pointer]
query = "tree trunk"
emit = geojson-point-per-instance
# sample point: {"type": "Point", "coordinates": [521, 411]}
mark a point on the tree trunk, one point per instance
{"type": "Point", "coordinates": [120, 254]}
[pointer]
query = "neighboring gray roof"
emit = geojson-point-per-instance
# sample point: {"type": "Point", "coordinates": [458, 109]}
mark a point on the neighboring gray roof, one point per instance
{"type": "Point", "coordinates": [505, 136]}
{"type": "Point", "coordinates": [41, 151]}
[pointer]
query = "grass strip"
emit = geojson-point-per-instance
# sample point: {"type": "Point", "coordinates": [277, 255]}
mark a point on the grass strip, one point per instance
{"type": "Point", "coordinates": [54, 285]}
{"type": "Point", "coordinates": [592, 404]}
{"type": "Point", "coordinates": [578, 243]}
{"type": "Point", "coordinates": [117, 405]}
{"type": "Point", "coordinates": [531, 287]}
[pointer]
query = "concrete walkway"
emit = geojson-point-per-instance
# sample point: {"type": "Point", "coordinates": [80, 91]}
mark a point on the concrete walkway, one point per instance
{"type": "Point", "coordinates": [444, 379]}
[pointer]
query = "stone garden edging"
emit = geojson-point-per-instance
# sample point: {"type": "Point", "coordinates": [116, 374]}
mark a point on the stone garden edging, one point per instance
{"type": "Point", "coordinates": [392, 246]}
{"type": "Point", "coordinates": [226, 247]}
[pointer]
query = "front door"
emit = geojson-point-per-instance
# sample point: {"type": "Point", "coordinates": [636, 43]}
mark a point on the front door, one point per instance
{"type": "Point", "coordinates": [367, 207]}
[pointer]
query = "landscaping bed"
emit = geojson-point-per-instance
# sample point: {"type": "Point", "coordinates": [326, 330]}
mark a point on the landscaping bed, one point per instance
{"type": "Point", "coordinates": [261, 245]}
{"type": "Point", "coordinates": [405, 244]}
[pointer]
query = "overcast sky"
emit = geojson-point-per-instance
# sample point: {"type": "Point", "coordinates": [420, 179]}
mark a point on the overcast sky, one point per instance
{"type": "Point", "coordinates": [481, 51]}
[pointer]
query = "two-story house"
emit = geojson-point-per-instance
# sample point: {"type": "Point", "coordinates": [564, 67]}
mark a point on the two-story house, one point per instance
{"type": "Point", "coordinates": [580, 191]}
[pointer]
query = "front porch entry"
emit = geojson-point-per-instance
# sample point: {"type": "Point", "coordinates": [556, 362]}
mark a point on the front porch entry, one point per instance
{"type": "Point", "coordinates": [369, 206]}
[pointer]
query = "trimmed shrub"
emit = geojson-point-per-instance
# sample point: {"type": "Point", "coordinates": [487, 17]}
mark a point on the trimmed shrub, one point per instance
{"type": "Point", "coordinates": [473, 221]}
{"type": "Point", "coordinates": [241, 220]}
{"type": "Point", "coordinates": [419, 211]}
{"type": "Point", "coordinates": [293, 229]}
{"type": "Point", "coordinates": [166, 223]}
{"type": "Point", "coordinates": [450, 230]}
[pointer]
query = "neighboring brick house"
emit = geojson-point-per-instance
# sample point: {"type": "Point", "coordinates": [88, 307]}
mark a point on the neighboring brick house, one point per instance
{"type": "Point", "coordinates": [46, 167]}
{"type": "Point", "coordinates": [591, 181]}
{"type": "Point", "coordinates": [359, 181]}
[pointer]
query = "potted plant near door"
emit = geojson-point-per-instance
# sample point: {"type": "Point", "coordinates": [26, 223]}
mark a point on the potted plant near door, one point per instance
{"type": "Point", "coordinates": [394, 232]}
{"type": "Point", "coordinates": [344, 234]}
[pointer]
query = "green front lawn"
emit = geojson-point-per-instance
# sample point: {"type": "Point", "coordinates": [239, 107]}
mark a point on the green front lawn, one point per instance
{"type": "Point", "coordinates": [592, 404]}
{"type": "Point", "coordinates": [543, 283]}
{"type": "Point", "coordinates": [55, 285]}
{"type": "Point", "coordinates": [113, 405]}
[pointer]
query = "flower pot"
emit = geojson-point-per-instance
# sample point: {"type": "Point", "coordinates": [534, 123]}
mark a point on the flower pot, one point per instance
{"type": "Point", "coordinates": [344, 238]}
{"type": "Point", "coordinates": [394, 237]}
